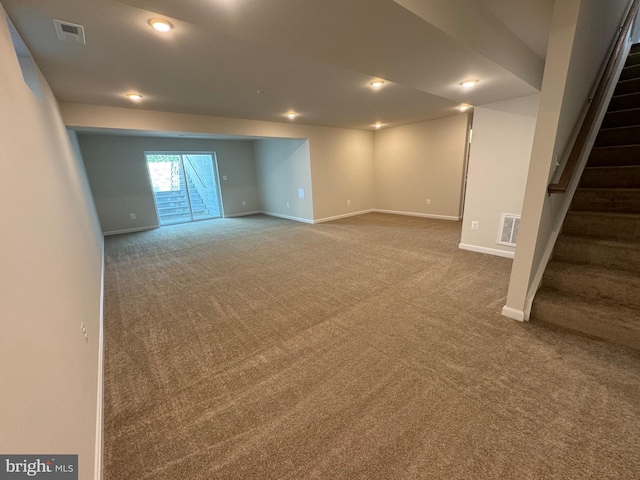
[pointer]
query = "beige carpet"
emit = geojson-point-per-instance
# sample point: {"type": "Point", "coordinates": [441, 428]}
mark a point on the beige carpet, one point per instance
{"type": "Point", "coordinates": [365, 348]}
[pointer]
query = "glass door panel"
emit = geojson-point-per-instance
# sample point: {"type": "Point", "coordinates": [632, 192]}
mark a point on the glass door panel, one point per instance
{"type": "Point", "coordinates": [185, 186]}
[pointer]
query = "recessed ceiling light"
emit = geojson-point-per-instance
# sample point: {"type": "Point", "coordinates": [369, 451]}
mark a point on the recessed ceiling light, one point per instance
{"type": "Point", "coordinates": [134, 96]}
{"type": "Point", "coordinates": [468, 83]}
{"type": "Point", "coordinates": [291, 115]}
{"type": "Point", "coordinates": [160, 25]}
{"type": "Point", "coordinates": [378, 125]}
{"type": "Point", "coordinates": [261, 90]}
{"type": "Point", "coordinates": [464, 107]}
{"type": "Point", "coordinates": [377, 83]}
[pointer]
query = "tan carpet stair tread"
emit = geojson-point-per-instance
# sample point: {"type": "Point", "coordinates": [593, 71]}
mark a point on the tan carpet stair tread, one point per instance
{"type": "Point", "coordinates": [620, 200]}
{"type": "Point", "coordinates": [620, 254]}
{"type": "Point", "coordinates": [616, 155]}
{"type": "Point", "coordinates": [620, 325]}
{"type": "Point", "coordinates": [626, 176]}
{"type": "Point", "coordinates": [594, 282]}
{"type": "Point", "coordinates": [615, 226]}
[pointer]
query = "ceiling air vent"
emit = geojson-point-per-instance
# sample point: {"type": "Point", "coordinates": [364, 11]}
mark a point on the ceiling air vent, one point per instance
{"type": "Point", "coordinates": [69, 32]}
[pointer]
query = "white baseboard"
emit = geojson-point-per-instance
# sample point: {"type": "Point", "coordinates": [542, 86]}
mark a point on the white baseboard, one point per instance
{"type": "Point", "coordinates": [287, 217]}
{"type": "Point", "coordinates": [362, 212]}
{"type": "Point", "coordinates": [513, 314]}
{"type": "Point", "coordinates": [243, 214]}
{"type": "Point", "coordinates": [97, 468]}
{"type": "Point", "coordinates": [488, 251]}
{"type": "Point", "coordinates": [414, 214]}
{"type": "Point", "coordinates": [338, 217]}
{"type": "Point", "coordinates": [130, 230]}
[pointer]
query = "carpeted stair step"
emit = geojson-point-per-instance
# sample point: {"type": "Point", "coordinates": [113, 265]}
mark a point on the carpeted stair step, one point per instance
{"type": "Point", "coordinates": [623, 255]}
{"type": "Point", "coordinates": [622, 118]}
{"type": "Point", "coordinates": [615, 156]}
{"type": "Point", "coordinates": [630, 72]}
{"type": "Point", "coordinates": [611, 177]}
{"type": "Point", "coordinates": [618, 200]}
{"type": "Point", "coordinates": [609, 137]}
{"type": "Point", "coordinates": [593, 282]}
{"type": "Point", "coordinates": [614, 226]}
{"type": "Point", "coordinates": [627, 86]}
{"type": "Point", "coordinates": [633, 58]}
{"type": "Point", "coordinates": [617, 324]}
{"type": "Point", "coordinates": [624, 102]}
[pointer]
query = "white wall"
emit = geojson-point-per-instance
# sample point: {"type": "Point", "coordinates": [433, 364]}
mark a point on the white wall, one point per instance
{"type": "Point", "coordinates": [497, 172]}
{"type": "Point", "coordinates": [474, 25]}
{"type": "Point", "coordinates": [50, 280]}
{"type": "Point", "coordinates": [582, 33]}
{"type": "Point", "coordinates": [117, 172]}
{"type": "Point", "coordinates": [419, 162]}
{"type": "Point", "coordinates": [341, 165]}
{"type": "Point", "coordinates": [283, 167]}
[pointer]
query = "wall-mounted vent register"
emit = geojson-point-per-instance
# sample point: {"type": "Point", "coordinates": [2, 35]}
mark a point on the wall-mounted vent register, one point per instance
{"type": "Point", "coordinates": [508, 231]}
{"type": "Point", "coordinates": [69, 32]}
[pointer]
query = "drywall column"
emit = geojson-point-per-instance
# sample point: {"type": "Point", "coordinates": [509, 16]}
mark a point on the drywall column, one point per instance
{"type": "Point", "coordinates": [51, 274]}
{"type": "Point", "coordinates": [582, 32]}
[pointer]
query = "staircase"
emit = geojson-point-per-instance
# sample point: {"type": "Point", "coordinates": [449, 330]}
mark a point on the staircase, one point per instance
{"type": "Point", "coordinates": [592, 283]}
{"type": "Point", "coordinates": [173, 205]}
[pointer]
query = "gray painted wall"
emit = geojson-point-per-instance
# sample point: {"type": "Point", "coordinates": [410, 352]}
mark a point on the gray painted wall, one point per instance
{"type": "Point", "coordinates": [117, 171]}
{"type": "Point", "coordinates": [283, 167]}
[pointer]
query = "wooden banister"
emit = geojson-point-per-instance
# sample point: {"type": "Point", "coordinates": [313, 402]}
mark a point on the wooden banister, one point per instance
{"type": "Point", "coordinates": [581, 140]}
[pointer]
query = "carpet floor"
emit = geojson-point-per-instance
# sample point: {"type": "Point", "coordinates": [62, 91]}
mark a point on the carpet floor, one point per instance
{"type": "Point", "coordinates": [365, 348]}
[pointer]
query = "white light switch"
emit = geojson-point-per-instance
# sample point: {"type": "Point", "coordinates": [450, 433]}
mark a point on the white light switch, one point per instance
{"type": "Point", "coordinates": [301, 193]}
{"type": "Point", "coordinates": [224, 177]}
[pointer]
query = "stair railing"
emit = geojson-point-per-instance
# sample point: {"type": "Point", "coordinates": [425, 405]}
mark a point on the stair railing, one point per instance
{"type": "Point", "coordinates": [196, 171]}
{"type": "Point", "coordinates": [579, 146]}
{"type": "Point", "coordinates": [205, 192]}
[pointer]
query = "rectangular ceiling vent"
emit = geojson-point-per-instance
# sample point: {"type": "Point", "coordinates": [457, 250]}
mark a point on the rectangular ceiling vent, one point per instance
{"type": "Point", "coordinates": [69, 32]}
{"type": "Point", "coordinates": [508, 232]}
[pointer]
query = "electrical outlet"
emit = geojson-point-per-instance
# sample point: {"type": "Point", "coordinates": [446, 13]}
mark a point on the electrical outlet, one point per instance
{"type": "Point", "coordinates": [244, 202]}
{"type": "Point", "coordinates": [475, 225]}
{"type": "Point", "coordinates": [224, 177]}
{"type": "Point", "coordinates": [348, 202]}
{"type": "Point", "coordinates": [84, 331]}
{"type": "Point", "coordinates": [133, 216]}
{"type": "Point", "coordinates": [428, 201]}
{"type": "Point", "coordinates": [287, 204]}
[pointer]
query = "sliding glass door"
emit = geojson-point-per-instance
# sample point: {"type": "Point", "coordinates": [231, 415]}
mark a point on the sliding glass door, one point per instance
{"type": "Point", "coordinates": [185, 186]}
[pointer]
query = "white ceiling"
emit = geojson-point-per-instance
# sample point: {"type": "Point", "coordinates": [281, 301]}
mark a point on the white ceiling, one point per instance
{"type": "Point", "coordinates": [316, 57]}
